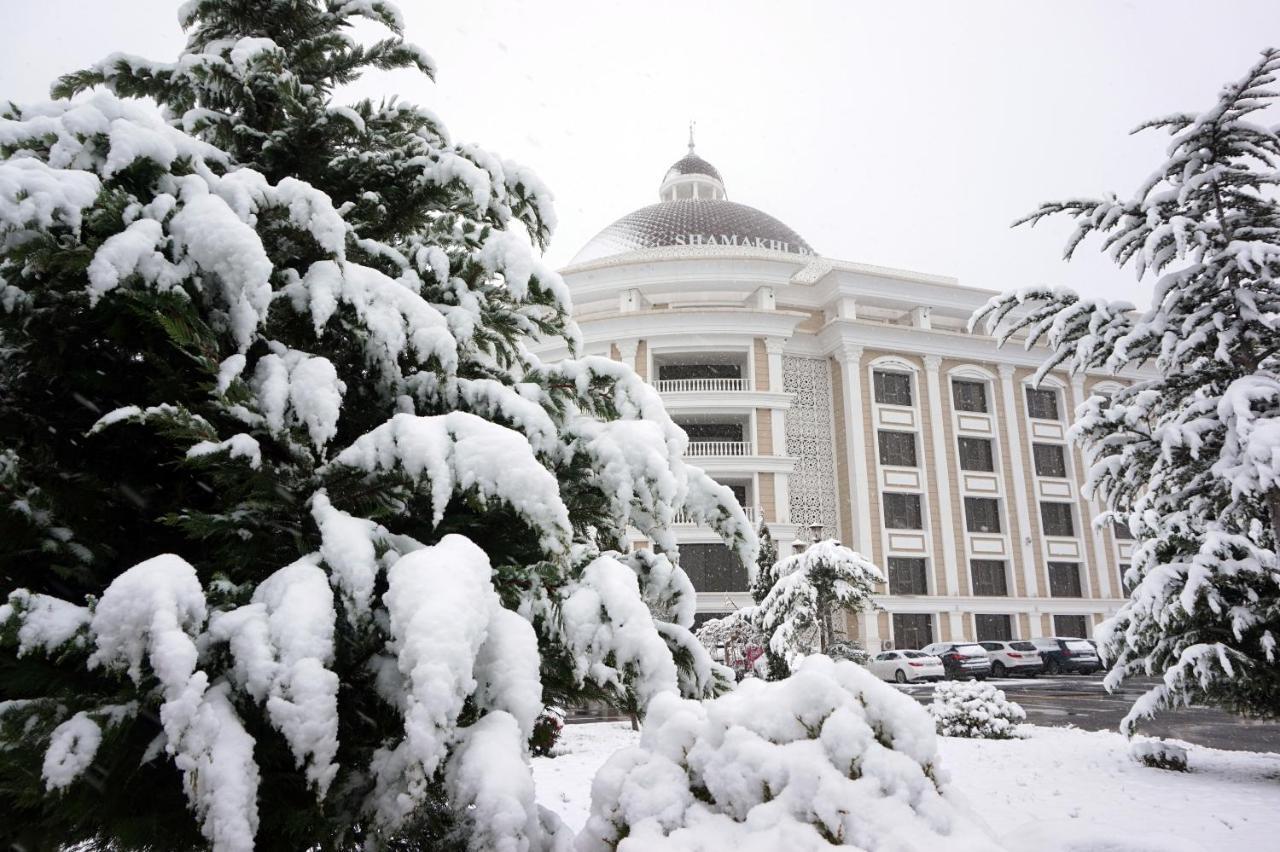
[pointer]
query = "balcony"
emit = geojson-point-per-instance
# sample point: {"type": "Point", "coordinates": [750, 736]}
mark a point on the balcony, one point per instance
{"type": "Point", "coordinates": [702, 449]}
{"type": "Point", "coordinates": [700, 385]}
{"type": "Point", "coordinates": [683, 519]}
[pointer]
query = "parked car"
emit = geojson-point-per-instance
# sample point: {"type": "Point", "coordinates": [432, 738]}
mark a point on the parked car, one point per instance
{"type": "Point", "coordinates": [1063, 654]}
{"type": "Point", "coordinates": [906, 666]}
{"type": "Point", "coordinates": [961, 659]}
{"type": "Point", "coordinates": [1016, 657]}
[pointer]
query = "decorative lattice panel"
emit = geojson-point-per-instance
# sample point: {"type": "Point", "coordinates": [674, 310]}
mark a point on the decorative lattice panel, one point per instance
{"type": "Point", "coordinates": [811, 441]}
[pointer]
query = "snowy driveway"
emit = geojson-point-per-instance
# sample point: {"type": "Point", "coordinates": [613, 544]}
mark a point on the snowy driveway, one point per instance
{"type": "Point", "coordinates": [1083, 703]}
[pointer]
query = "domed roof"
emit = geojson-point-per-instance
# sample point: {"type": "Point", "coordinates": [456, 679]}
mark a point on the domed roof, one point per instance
{"type": "Point", "coordinates": [693, 212]}
{"type": "Point", "coordinates": [693, 222]}
{"type": "Point", "coordinates": [692, 164]}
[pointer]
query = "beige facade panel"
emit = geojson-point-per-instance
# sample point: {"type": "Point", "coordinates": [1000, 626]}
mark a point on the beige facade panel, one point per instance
{"type": "Point", "coordinates": [764, 431]}
{"type": "Point", "coordinates": [761, 367]}
{"type": "Point", "coordinates": [768, 499]}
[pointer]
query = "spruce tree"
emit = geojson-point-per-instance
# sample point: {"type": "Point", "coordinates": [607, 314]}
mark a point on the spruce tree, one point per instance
{"type": "Point", "coordinates": [1188, 455]}
{"type": "Point", "coordinates": [297, 534]}
{"type": "Point", "coordinates": [813, 588]}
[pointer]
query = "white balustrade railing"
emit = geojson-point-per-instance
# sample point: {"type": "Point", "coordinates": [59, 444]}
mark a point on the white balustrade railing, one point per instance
{"type": "Point", "coordinates": [719, 448]}
{"type": "Point", "coordinates": [700, 385]}
{"type": "Point", "coordinates": [683, 518]}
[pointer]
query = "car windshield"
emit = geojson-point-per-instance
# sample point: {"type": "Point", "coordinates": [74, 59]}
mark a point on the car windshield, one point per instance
{"type": "Point", "coordinates": [970, 650]}
{"type": "Point", "coordinates": [1079, 645]}
{"type": "Point", "coordinates": [1022, 646]}
{"type": "Point", "coordinates": [914, 654]}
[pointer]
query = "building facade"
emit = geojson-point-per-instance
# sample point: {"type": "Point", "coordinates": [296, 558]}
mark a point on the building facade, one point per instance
{"type": "Point", "coordinates": [851, 396]}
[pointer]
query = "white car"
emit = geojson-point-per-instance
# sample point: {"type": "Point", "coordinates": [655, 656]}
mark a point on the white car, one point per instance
{"type": "Point", "coordinates": [1015, 657]}
{"type": "Point", "coordinates": [906, 666]}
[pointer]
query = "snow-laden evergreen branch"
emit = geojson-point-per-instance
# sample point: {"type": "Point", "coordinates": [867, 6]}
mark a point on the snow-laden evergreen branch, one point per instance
{"type": "Point", "coordinates": [1187, 455]}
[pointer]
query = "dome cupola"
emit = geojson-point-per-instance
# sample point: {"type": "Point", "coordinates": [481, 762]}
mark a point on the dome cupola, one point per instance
{"type": "Point", "coordinates": [691, 178]}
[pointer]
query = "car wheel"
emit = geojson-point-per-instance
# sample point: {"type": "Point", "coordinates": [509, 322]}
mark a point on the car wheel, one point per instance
{"type": "Point", "coordinates": [1053, 667]}
{"type": "Point", "coordinates": [997, 669]}
{"type": "Point", "coordinates": [900, 676]}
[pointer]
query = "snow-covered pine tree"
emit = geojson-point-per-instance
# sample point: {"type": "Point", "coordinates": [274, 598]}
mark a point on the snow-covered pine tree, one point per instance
{"type": "Point", "coordinates": [766, 559]}
{"type": "Point", "coordinates": [812, 589]}
{"type": "Point", "coordinates": [299, 534]}
{"type": "Point", "coordinates": [1188, 458]}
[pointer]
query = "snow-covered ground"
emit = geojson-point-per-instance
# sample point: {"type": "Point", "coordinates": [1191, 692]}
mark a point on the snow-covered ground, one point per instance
{"type": "Point", "coordinates": [1057, 790]}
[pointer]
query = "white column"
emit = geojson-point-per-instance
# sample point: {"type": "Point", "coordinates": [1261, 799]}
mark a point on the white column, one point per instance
{"type": "Point", "coordinates": [628, 349]}
{"type": "Point", "coordinates": [860, 486]}
{"type": "Point", "coordinates": [773, 346]}
{"type": "Point", "coordinates": [1013, 430]}
{"type": "Point", "coordinates": [871, 630]}
{"type": "Point", "coordinates": [1106, 572]}
{"type": "Point", "coordinates": [940, 473]}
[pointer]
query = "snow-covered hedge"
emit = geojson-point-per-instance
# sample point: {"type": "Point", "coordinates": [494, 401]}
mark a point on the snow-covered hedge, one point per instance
{"type": "Point", "coordinates": [1159, 754]}
{"type": "Point", "coordinates": [828, 756]}
{"type": "Point", "coordinates": [974, 709]}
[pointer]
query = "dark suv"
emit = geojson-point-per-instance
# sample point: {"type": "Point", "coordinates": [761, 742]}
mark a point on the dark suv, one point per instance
{"type": "Point", "coordinates": [961, 659]}
{"type": "Point", "coordinates": [1065, 654]}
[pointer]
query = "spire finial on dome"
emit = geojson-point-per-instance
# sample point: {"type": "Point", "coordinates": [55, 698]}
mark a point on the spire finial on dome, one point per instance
{"type": "Point", "coordinates": [691, 124]}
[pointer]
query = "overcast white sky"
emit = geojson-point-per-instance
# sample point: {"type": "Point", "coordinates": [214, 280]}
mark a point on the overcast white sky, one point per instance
{"type": "Point", "coordinates": [900, 134]}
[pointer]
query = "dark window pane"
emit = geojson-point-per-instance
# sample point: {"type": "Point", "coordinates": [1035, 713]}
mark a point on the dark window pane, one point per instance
{"type": "Point", "coordinates": [982, 514]}
{"type": "Point", "coordinates": [1050, 460]}
{"type": "Point", "coordinates": [989, 577]}
{"type": "Point", "coordinates": [907, 576]}
{"type": "Point", "coordinates": [713, 431]}
{"type": "Point", "coordinates": [1064, 580]}
{"type": "Point", "coordinates": [993, 628]}
{"type": "Point", "coordinates": [1057, 519]}
{"type": "Point", "coordinates": [1071, 626]}
{"type": "Point", "coordinates": [897, 448]}
{"type": "Point", "coordinates": [1124, 583]}
{"type": "Point", "coordinates": [668, 372]}
{"type": "Point", "coordinates": [1042, 404]}
{"type": "Point", "coordinates": [969, 396]}
{"type": "Point", "coordinates": [912, 630]}
{"type": "Point", "coordinates": [713, 568]}
{"type": "Point", "coordinates": [1121, 531]}
{"type": "Point", "coordinates": [892, 388]}
{"type": "Point", "coordinates": [902, 511]}
{"type": "Point", "coordinates": [975, 454]}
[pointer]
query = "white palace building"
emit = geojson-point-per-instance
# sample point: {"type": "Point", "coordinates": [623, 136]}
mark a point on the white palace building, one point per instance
{"type": "Point", "coordinates": [830, 392]}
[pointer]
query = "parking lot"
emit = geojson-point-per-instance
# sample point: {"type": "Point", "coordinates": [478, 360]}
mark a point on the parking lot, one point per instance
{"type": "Point", "coordinates": [1080, 701]}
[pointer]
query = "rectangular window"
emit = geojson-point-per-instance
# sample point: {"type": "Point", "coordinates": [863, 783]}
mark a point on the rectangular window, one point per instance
{"type": "Point", "coordinates": [1125, 585]}
{"type": "Point", "coordinates": [1050, 460]}
{"type": "Point", "coordinates": [1071, 626]}
{"type": "Point", "coordinates": [902, 511]}
{"type": "Point", "coordinates": [713, 431]}
{"type": "Point", "coordinates": [982, 514]}
{"type": "Point", "coordinates": [892, 388]}
{"type": "Point", "coordinates": [1042, 404]}
{"type": "Point", "coordinates": [897, 448]}
{"type": "Point", "coordinates": [667, 372]}
{"type": "Point", "coordinates": [1064, 580]}
{"type": "Point", "coordinates": [969, 396]}
{"type": "Point", "coordinates": [988, 578]}
{"type": "Point", "coordinates": [1057, 519]}
{"type": "Point", "coordinates": [1121, 531]}
{"type": "Point", "coordinates": [976, 454]}
{"type": "Point", "coordinates": [912, 630]}
{"type": "Point", "coordinates": [713, 568]}
{"type": "Point", "coordinates": [907, 576]}
{"type": "Point", "coordinates": [993, 628]}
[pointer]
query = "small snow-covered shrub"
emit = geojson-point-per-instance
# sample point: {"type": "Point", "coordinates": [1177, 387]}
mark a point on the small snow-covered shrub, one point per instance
{"type": "Point", "coordinates": [1159, 754]}
{"type": "Point", "coordinates": [974, 709]}
{"type": "Point", "coordinates": [546, 731]}
{"type": "Point", "coordinates": [828, 756]}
